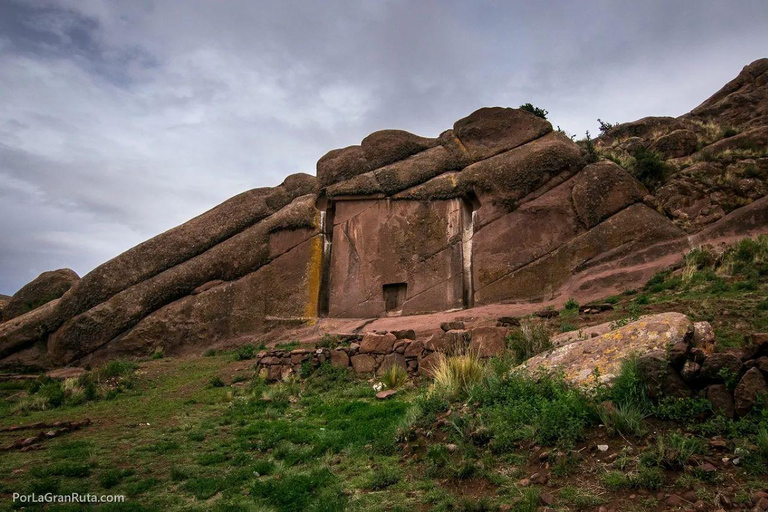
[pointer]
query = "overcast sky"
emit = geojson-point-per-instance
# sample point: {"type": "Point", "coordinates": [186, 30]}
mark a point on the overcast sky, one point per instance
{"type": "Point", "coordinates": [119, 120]}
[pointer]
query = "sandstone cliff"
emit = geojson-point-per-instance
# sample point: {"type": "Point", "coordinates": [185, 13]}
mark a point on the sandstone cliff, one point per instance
{"type": "Point", "coordinates": [499, 209]}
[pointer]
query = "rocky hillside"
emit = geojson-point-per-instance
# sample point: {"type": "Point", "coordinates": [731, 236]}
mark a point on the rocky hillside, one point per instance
{"type": "Point", "coordinates": [500, 211]}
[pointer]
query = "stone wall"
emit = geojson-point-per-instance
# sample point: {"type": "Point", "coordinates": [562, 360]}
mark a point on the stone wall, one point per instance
{"type": "Point", "coordinates": [374, 352]}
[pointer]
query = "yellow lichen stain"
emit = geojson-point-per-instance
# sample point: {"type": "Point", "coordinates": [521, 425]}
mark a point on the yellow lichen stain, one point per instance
{"type": "Point", "coordinates": [314, 276]}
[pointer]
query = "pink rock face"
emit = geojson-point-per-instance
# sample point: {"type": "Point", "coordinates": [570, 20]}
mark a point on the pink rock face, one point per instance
{"type": "Point", "coordinates": [339, 358]}
{"type": "Point", "coordinates": [395, 257]}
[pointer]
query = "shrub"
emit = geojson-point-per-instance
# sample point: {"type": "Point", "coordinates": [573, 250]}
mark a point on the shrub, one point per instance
{"type": "Point", "coordinates": [571, 304]}
{"type": "Point", "coordinates": [605, 127]}
{"type": "Point", "coordinates": [529, 339]}
{"type": "Point", "coordinates": [245, 352]}
{"type": "Point", "coordinates": [209, 353]}
{"type": "Point", "coordinates": [394, 377]}
{"type": "Point", "coordinates": [456, 375]}
{"type": "Point", "coordinates": [216, 382]}
{"type": "Point", "coordinates": [626, 419]}
{"type": "Point", "coordinates": [649, 168]}
{"type": "Point", "coordinates": [328, 341]}
{"type": "Point", "coordinates": [116, 369]}
{"type": "Point", "coordinates": [682, 409]}
{"type": "Point", "coordinates": [157, 354]}
{"type": "Point", "coordinates": [630, 388]}
{"type": "Point", "coordinates": [538, 112]}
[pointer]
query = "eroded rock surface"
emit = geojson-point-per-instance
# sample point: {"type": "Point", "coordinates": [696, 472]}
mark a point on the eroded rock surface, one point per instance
{"type": "Point", "coordinates": [499, 208]}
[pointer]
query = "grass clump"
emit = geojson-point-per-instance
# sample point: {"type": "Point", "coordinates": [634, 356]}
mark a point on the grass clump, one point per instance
{"type": "Point", "coordinates": [394, 377]}
{"type": "Point", "coordinates": [245, 352]}
{"type": "Point", "coordinates": [529, 339]}
{"type": "Point", "coordinates": [457, 375]}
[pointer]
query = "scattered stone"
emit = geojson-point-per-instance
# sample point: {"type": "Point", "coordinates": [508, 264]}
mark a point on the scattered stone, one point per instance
{"type": "Point", "coordinates": [547, 498]}
{"type": "Point", "coordinates": [675, 501]}
{"type": "Point", "coordinates": [452, 326]}
{"type": "Point", "coordinates": [751, 386]}
{"type": "Point", "coordinates": [377, 343]}
{"type": "Point", "coordinates": [704, 336]}
{"type": "Point", "coordinates": [363, 363]}
{"type": "Point", "coordinates": [547, 313]}
{"type": "Point", "coordinates": [523, 483]}
{"type": "Point", "coordinates": [407, 334]}
{"type": "Point", "coordinates": [339, 359]}
{"type": "Point", "coordinates": [715, 364]}
{"type": "Point", "coordinates": [509, 321]}
{"type": "Point", "coordinates": [602, 447]}
{"type": "Point", "coordinates": [387, 393]}
{"type": "Point", "coordinates": [451, 447]}
{"type": "Point", "coordinates": [488, 341]}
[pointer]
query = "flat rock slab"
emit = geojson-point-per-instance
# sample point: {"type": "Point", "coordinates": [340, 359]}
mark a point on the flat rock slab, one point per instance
{"type": "Point", "coordinates": [583, 359]}
{"type": "Point", "coordinates": [387, 393]}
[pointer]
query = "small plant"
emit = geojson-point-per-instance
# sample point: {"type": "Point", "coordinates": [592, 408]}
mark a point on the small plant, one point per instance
{"type": "Point", "coordinates": [529, 339]}
{"type": "Point", "coordinates": [382, 478]}
{"type": "Point", "coordinates": [456, 375]}
{"type": "Point", "coordinates": [157, 354]}
{"type": "Point", "coordinates": [394, 377]}
{"type": "Point", "coordinates": [216, 382]}
{"type": "Point", "coordinates": [538, 112]}
{"type": "Point", "coordinates": [328, 341]}
{"type": "Point", "coordinates": [245, 352]}
{"type": "Point", "coordinates": [209, 353]}
{"type": "Point", "coordinates": [571, 304]}
{"type": "Point", "coordinates": [730, 378]}
{"type": "Point", "coordinates": [624, 420]}
{"type": "Point", "coordinates": [649, 168]}
{"type": "Point", "coordinates": [605, 127]}
{"type": "Point", "coordinates": [589, 145]}
{"type": "Point", "coordinates": [615, 480]}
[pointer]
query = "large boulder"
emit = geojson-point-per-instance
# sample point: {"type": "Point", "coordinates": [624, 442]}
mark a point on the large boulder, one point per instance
{"type": "Point", "coordinates": [742, 102]}
{"type": "Point", "coordinates": [492, 130]}
{"type": "Point", "coordinates": [388, 146]}
{"type": "Point", "coordinates": [585, 359]}
{"type": "Point", "coordinates": [399, 175]}
{"type": "Point", "coordinates": [241, 254]}
{"type": "Point", "coordinates": [503, 180]}
{"type": "Point", "coordinates": [602, 189]}
{"type": "Point", "coordinates": [182, 243]}
{"type": "Point", "coordinates": [41, 290]}
{"type": "Point", "coordinates": [675, 144]}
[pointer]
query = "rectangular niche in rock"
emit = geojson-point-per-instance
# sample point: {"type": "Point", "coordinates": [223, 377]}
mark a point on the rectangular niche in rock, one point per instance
{"type": "Point", "coordinates": [394, 297]}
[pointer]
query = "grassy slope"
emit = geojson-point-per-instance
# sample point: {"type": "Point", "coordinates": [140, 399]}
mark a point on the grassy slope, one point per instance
{"type": "Point", "coordinates": [180, 440]}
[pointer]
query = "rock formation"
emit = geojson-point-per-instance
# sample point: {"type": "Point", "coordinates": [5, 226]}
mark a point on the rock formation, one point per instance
{"type": "Point", "coordinates": [499, 209]}
{"type": "Point", "coordinates": [44, 288]}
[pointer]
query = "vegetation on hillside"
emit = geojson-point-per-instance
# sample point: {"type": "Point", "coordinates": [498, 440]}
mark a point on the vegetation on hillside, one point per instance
{"type": "Point", "coordinates": [210, 434]}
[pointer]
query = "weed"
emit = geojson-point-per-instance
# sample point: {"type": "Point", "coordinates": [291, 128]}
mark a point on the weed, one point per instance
{"type": "Point", "coordinates": [571, 304]}
{"type": "Point", "coordinates": [578, 498]}
{"type": "Point", "coordinates": [394, 376]}
{"type": "Point", "coordinates": [245, 352]}
{"type": "Point", "coordinates": [625, 419]}
{"type": "Point", "coordinates": [615, 480]}
{"type": "Point", "coordinates": [382, 478]}
{"type": "Point", "coordinates": [210, 352]}
{"type": "Point", "coordinates": [216, 382]}
{"type": "Point", "coordinates": [328, 341]}
{"type": "Point", "coordinates": [456, 375]}
{"type": "Point", "coordinates": [529, 339]}
{"type": "Point", "coordinates": [538, 112]}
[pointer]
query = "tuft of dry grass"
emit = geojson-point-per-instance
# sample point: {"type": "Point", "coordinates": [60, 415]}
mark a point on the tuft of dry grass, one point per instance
{"type": "Point", "coordinates": [456, 375]}
{"type": "Point", "coordinates": [394, 377]}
